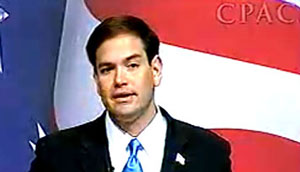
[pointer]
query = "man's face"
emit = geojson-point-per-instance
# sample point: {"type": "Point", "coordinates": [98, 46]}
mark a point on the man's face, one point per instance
{"type": "Point", "coordinates": [124, 77]}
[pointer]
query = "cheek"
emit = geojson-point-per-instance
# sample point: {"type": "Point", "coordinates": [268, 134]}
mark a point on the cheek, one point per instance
{"type": "Point", "coordinates": [103, 87]}
{"type": "Point", "coordinates": [146, 81]}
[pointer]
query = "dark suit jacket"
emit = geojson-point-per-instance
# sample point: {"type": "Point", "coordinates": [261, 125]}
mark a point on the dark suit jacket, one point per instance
{"type": "Point", "coordinates": [85, 149]}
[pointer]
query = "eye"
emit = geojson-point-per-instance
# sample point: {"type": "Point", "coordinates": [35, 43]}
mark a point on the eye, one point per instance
{"type": "Point", "coordinates": [105, 71]}
{"type": "Point", "coordinates": [133, 65]}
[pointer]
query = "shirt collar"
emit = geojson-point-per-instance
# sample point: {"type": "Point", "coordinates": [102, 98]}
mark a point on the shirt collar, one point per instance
{"type": "Point", "coordinates": [118, 139]}
{"type": "Point", "coordinates": [156, 130]}
{"type": "Point", "coordinates": [154, 134]}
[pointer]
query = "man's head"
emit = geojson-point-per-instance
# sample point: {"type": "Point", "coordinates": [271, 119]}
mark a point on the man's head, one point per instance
{"type": "Point", "coordinates": [124, 54]}
{"type": "Point", "coordinates": [114, 26]}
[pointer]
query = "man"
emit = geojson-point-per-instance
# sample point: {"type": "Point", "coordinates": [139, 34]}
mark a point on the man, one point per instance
{"type": "Point", "coordinates": [133, 134]}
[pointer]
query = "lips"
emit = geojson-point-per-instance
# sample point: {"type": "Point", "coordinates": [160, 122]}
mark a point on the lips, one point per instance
{"type": "Point", "coordinates": [123, 96]}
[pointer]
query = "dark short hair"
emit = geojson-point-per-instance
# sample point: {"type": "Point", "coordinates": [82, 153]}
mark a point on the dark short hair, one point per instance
{"type": "Point", "coordinates": [113, 26]}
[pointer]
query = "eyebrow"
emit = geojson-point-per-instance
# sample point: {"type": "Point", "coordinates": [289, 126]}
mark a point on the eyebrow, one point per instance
{"type": "Point", "coordinates": [104, 64]}
{"type": "Point", "coordinates": [134, 56]}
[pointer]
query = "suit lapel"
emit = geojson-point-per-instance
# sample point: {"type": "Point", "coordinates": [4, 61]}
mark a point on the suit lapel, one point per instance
{"type": "Point", "coordinates": [94, 147]}
{"type": "Point", "coordinates": [175, 140]}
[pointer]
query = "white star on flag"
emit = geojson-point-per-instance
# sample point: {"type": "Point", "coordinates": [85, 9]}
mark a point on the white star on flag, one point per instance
{"type": "Point", "coordinates": [41, 133]}
{"type": "Point", "coordinates": [3, 15]}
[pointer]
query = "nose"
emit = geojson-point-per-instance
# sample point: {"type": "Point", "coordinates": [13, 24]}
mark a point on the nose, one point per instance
{"type": "Point", "coordinates": [120, 77]}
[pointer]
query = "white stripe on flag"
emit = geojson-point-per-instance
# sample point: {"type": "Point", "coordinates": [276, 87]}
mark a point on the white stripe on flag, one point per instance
{"type": "Point", "coordinates": [296, 2]}
{"type": "Point", "coordinates": [216, 92]}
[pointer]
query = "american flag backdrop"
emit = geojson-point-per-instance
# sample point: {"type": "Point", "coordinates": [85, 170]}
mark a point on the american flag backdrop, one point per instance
{"type": "Point", "coordinates": [30, 34]}
{"type": "Point", "coordinates": [232, 66]}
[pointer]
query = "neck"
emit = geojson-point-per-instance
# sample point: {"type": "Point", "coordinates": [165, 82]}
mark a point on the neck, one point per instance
{"type": "Point", "coordinates": [139, 123]}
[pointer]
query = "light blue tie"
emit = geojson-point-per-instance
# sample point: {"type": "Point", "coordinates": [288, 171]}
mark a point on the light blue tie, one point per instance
{"type": "Point", "coordinates": [133, 164]}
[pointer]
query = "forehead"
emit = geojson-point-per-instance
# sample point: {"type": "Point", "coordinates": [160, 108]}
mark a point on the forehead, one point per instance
{"type": "Point", "coordinates": [120, 47]}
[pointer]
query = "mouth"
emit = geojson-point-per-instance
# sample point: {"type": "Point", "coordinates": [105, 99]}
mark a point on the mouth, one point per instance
{"type": "Point", "coordinates": [123, 97]}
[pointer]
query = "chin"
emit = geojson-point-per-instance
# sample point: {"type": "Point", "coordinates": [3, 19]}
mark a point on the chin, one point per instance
{"type": "Point", "coordinates": [124, 112]}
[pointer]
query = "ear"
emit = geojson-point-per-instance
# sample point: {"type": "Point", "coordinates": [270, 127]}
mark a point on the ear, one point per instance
{"type": "Point", "coordinates": [95, 76]}
{"type": "Point", "coordinates": [156, 66]}
{"type": "Point", "coordinates": [96, 79]}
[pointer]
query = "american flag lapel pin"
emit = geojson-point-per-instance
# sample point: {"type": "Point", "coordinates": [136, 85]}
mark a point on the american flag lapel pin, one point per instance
{"type": "Point", "coordinates": [180, 159]}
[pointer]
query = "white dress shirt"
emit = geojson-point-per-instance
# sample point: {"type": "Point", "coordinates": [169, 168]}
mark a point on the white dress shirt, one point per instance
{"type": "Point", "coordinates": [152, 139]}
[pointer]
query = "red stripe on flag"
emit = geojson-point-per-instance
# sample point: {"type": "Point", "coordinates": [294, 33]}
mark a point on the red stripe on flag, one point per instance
{"type": "Point", "coordinates": [262, 37]}
{"type": "Point", "coordinates": [260, 152]}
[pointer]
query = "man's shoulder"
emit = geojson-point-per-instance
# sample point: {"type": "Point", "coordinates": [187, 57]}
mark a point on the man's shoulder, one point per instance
{"type": "Point", "coordinates": [61, 150]}
{"type": "Point", "coordinates": [198, 134]}
{"type": "Point", "coordinates": [203, 149]}
{"type": "Point", "coordinates": [71, 136]}
{"type": "Point", "coordinates": [193, 133]}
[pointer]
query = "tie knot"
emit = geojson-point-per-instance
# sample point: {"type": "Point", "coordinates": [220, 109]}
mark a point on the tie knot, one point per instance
{"type": "Point", "coordinates": [134, 146]}
{"type": "Point", "coordinates": [133, 164]}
